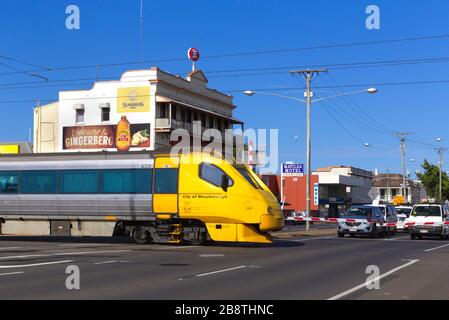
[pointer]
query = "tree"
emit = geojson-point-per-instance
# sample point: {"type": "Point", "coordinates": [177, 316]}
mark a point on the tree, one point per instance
{"type": "Point", "coordinates": [430, 179]}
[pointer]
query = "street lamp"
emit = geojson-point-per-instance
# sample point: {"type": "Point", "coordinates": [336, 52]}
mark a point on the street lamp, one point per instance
{"type": "Point", "coordinates": [308, 95]}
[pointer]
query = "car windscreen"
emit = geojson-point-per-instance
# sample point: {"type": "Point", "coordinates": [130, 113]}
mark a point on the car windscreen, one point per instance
{"type": "Point", "coordinates": [405, 211]}
{"type": "Point", "coordinates": [426, 211]}
{"type": "Point", "coordinates": [364, 212]}
{"type": "Point", "coordinates": [382, 209]}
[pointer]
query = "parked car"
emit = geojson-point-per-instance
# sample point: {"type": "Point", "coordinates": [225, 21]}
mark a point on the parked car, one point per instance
{"type": "Point", "coordinates": [403, 212]}
{"type": "Point", "coordinates": [370, 213]}
{"type": "Point", "coordinates": [390, 216]}
{"type": "Point", "coordinates": [290, 216]}
{"type": "Point", "coordinates": [428, 220]}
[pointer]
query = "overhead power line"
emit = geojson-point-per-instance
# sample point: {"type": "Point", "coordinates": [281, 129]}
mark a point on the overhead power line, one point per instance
{"type": "Point", "coordinates": [236, 54]}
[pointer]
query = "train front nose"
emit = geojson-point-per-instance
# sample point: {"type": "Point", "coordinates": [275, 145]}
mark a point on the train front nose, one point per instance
{"type": "Point", "coordinates": [273, 220]}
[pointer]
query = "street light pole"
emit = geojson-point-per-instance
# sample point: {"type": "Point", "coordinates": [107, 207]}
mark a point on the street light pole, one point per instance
{"type": "Point", "coordinates": [308, 74]}
{"type": "Point", "coordinates": [308, 151]}
{"type": "Point", "coordinates": [440, 165]}
{"type": "Point", "coordinates": [402, 137]}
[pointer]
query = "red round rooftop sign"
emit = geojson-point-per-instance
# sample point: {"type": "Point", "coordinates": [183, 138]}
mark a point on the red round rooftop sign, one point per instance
{"type": "Point", "coordinates": [193, 54]}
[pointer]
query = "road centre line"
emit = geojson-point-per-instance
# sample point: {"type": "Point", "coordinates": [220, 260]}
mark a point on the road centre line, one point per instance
{"type": "Point", "coordinates": [11, 273]}
{"type": "Point", "coordinates": [61, 254]}
{"type": "Point", "coordinates": [363, 285]}
{"type": "Point", "coordinates": [86, 245]}
{"type": "Point", "coordinates": [175, 247]}
{"type": "Point", "coordinates": [211, 255]}
{"type": "Point", "coordinates": [435, 248]}
{"type": "Point", "coordinates": [220, 271]}
{"type": "Point", "coordinates": [106, 262]}
{"type": "Point", "coordinates": [309, 239]}
{"type": "Point", "coordinates": [392, 239]}
{"type": "Point", "coordinates": [35, 264]}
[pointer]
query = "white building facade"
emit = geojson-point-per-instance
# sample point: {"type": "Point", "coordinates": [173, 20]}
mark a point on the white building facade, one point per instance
{"type": "Point", "coordinates": [152, 101]}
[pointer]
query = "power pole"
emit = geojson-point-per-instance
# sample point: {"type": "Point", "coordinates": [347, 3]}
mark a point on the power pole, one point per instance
{"type": "Point", "coordinates": [440, 166]}
{"type": "Point", "coordinates": [308, 75]}
{"type": "Point", "coordinates": [388, 189]}
{"type": "Point", "coordinates": [402, 138]}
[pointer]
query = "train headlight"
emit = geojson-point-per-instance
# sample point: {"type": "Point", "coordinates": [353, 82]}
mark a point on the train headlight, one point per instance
{"type": "Point", "coordinates": [270, 210]}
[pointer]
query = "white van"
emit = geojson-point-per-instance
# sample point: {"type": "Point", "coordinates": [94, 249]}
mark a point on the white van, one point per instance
{"type": "Point", "coordinates": [428, 220]}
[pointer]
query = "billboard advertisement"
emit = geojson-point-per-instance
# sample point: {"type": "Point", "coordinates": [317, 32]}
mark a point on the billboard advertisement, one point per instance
{"type": "Point", "coordinates": [133, 99]}
{"type": "Point", "coordinates": [9, 149]}
{"type": "Point", "coordinates": [122, 137]}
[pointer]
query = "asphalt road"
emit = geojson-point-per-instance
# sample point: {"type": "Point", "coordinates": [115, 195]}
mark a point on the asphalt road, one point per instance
{"type": "Point", "coordinates": [312, 268]}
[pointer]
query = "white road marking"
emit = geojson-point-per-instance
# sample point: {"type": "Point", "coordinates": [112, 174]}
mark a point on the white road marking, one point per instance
{"type": "Point", "coordinates": [308, 239]}
{"type": "Point", "coordinates": [11, 273]}
{"type": "Point", "coordinates": [211, 255]}
{"type": "Point", "coordinates": [391, 239]}
{"type": "Point", "coordinates": [61, 254]}
{"type": "Point", "coordinates": [183, 247]}
{"type": "Point", "coordinates": [363, 285]}
{"type": "Point", "coordinates": [435, 248]}
{"type": "Point", "coordinates": [35, 264]}
{"type": "Point", "coordinates": [220, 271]}
{"type": "Point", "coordinates": [10, 248]}
{"type": "Point", "coordinates": [85, 245]}
{"type": "Point", "coordinates": [106, 262]}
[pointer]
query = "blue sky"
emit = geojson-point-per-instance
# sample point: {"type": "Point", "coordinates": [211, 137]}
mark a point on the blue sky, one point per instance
{"type": "Point", "coordinates": [35, 32]}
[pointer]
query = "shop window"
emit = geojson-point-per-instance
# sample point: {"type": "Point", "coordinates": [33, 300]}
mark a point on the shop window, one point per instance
{"type": "Point", "coordinates": [79, 116]}
{"type": "Point", "coordinates": [105, 114]}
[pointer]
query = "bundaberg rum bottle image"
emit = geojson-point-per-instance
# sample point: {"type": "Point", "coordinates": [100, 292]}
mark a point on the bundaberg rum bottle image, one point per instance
{"type": "Point", "coordinates": [123, 137]}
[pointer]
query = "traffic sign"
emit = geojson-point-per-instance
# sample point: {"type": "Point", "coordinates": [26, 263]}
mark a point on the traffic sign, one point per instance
{"type": "Point", "coordinates": [292, 169]}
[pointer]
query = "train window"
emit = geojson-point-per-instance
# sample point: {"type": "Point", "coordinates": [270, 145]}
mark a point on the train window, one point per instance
{"type": "Point", "coordinates": [9, 182]}
{"type": "Point", "coordinates": [244, 172]}
{"type": "Point", "coordinates": [37, 182]}
{"type": "Point", "coordinates": [79, 182]}
{"type": "Point", "coordinates": [127, 181]}
{"type": "Point", "coordinates": [213, 174]}
{"type": "Point", "coordinates": [166, 181]}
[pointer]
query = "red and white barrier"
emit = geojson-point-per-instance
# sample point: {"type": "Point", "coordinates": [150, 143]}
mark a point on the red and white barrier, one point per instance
{"type": "Point", "coordinates": [383, 224]}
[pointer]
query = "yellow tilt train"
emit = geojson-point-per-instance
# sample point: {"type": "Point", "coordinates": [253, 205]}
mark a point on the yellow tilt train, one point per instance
{"type": "Point", "coordinates": [151, 197]}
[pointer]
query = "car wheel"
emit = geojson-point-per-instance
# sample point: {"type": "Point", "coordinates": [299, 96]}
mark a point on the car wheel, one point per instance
{"type": "Point", "coordinates": [340, 234]}
{"type": "Point", "coordinates": [382, 234]}
{"type": "Point", "coordinates": [412, 236]}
